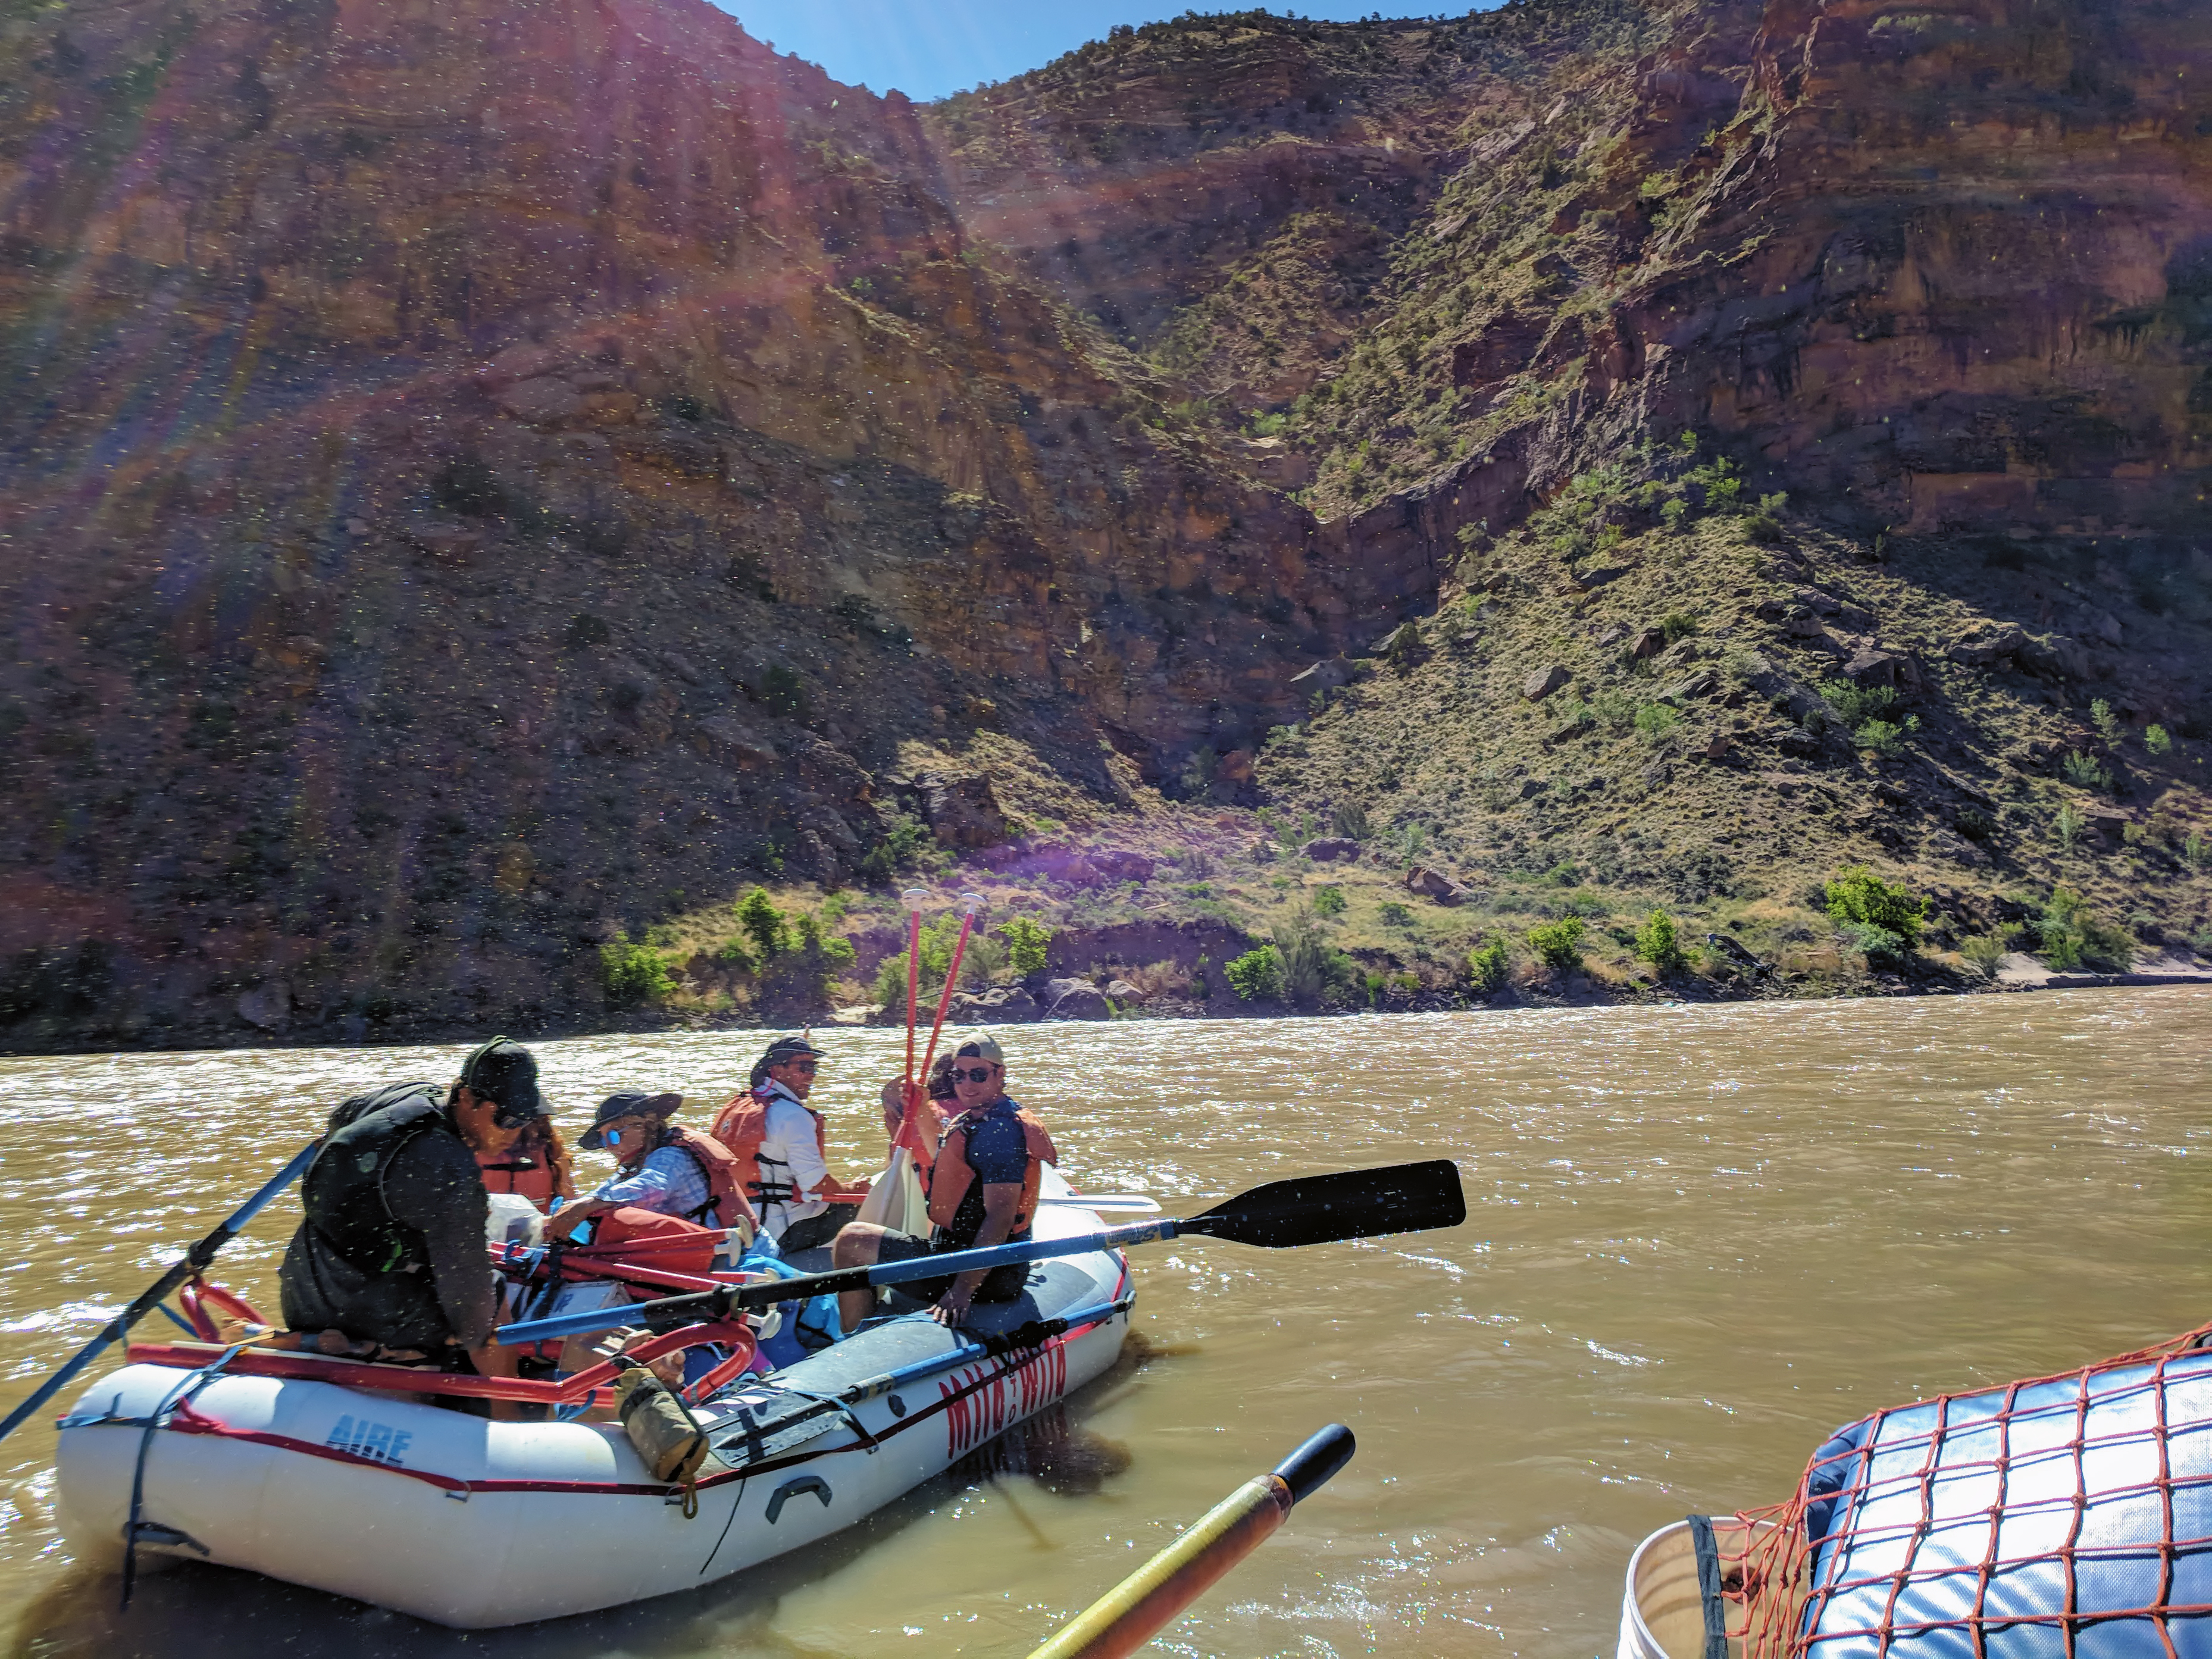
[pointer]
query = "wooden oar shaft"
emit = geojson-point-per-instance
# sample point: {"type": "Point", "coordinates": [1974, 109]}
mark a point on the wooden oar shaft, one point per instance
{"type": "Point", "coordinates": [1140, 1606]}
{"type": "Point", "coordinates": [195, 1262]}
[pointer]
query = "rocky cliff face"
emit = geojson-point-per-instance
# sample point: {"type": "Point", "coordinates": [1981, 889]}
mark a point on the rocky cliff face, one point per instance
{"type": "Point", "coordinates": [488, 476]}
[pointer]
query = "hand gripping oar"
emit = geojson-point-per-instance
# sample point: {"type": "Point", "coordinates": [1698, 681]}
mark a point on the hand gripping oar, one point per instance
{"type": "Point", "coordinates": [1141, 1605]}
{"type": "Point", "coordinates": [195, 1260]}
{"type": "Point", "coordinates": [1324, 1209]}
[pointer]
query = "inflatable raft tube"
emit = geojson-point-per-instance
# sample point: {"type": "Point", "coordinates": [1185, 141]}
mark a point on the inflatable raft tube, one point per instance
{"type": "Point", "coordinates": [475, 1524]}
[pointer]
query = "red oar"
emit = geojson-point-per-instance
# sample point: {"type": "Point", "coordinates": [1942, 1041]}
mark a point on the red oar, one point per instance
{"type": "Point", "coordinates": [914, 898]}
{"type": "Point", "coordinates": [911, 1129]}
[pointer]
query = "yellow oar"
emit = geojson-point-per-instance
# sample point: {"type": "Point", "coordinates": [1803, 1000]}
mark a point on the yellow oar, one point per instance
{"type": "Point", "coordinates": [1144, 1602]}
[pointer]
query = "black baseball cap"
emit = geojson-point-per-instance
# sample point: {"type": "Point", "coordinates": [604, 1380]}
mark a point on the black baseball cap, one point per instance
{"type": "Point", "coordinates": [504, 1073]}
{"type": "Point", "coordinates": [788, 1048]}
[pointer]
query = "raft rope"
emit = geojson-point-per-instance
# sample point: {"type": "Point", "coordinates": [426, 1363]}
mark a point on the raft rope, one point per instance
{"type": "Point", "coordinates": [1867, 1558]}
{"type": "Point", "coordinates": [172, 1402]}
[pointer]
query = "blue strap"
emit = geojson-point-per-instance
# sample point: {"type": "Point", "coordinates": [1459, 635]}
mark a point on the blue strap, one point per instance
{"type": "Point", "coordinates": [172, 1402]}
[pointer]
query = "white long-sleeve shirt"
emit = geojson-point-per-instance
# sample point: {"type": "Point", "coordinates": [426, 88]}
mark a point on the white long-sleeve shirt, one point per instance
{"type": "Point", "coordinates": [790, 1154]}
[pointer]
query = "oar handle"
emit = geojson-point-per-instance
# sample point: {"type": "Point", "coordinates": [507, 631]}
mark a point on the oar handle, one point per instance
{"type": "Point", "coordinates": [195, 1262]}
{"type": "Point", "coordinates": [1142, 1604]}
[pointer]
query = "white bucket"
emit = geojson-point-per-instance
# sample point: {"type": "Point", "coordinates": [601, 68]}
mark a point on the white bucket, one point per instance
{"type": "Point", "coordinates": [1662, 1610]}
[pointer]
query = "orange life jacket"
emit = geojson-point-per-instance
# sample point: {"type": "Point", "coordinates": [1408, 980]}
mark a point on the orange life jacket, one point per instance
{"type": "Point", "coordinates": [725, 1194]}
{"type": "Point", "coordinates": [501, 1174]}
{"type": "Point", "coordinates": [541, 1182]}
{"type": "Point", "coordinates": [741, 1126]}
{"type": "Point", "coordinates": [950, 1180]}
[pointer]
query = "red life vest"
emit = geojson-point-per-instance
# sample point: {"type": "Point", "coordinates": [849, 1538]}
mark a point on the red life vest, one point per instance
{"type": "Point", "coordinates": [950, 1180]}
{"type": "Point", "coordinates": [725, 1194]}
{"type": "Point", "coordinates": [742, 1126]}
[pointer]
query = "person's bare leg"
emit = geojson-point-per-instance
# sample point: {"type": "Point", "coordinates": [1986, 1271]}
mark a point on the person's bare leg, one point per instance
{"type": "Point", "coordinates": [856, 1245]}
{"type": "Point", "coordinates": [492, 1360]}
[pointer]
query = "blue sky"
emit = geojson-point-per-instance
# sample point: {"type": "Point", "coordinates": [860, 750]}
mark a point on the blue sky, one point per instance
{"type": "Point", "coordinates": [927, 48]}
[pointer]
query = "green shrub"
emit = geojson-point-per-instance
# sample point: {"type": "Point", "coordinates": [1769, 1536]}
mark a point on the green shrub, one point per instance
{"type": "Point", "coordinates": [1312, 969]}
{"type": "Point", "coordinates": [891, 980]}
{"type": "Point", "coordinates": [2158, 739]}
{"type": "Point", "coordinates": [765, 924]}
{"type": "Point", "coordinates": [1656, 943]}
{"type": "Point", "coordinates": [732, 954]}
{"type": "Point", "coordinates": [1026, 939]}
{"type": "Point", "coordinates": [1882, 737]}
{"type": "Point", "coordinates": [636, 975]}
{"type": "Point", "coordinates": [1257, 976]}
{"type": "Point", "coordinates": [1854, 705]}
{"type": "Point", "coordinates": [2060, 937]}
{"type": "Point", "coordinates": [1615, 710]}
{"type": "Point", "coordinates": [1329, 900]}
{"type": "Point", "coordinates": [1876, 944]}
{"type": "Point", "coordinates": [2198, 850]}
{"type": "Point", "coordinates": [2086, 772]}
{"type": "Point", "coordinates": [1656, 721]}
{"type": "Point", "coordinates": [1677, 625]}
{"type": "Point", "coordinates": [2066, 828]}
{"type": "Point", "coordinates": [905, 839]}
{"type": "Point", "coordinates": [1984, 954]}
{"type": "Point", "coordinates": [1858, 896]}
{"type": "Point", "coordinates": [1350, 821]}
{"type": "Point", "coordinates": [1487, 965]}
{"type": "Point", "coordinates": [2107, 719]}
{"type": "Point", "coordinates": [1558, 944]}
{"type": "Point", "coordinates": [1395, 914]}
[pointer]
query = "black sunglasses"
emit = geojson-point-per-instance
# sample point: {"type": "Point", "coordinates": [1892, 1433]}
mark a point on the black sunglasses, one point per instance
{"type": "Point", "coordinates": [806, 1066]}
{"type": "Point", "coordinates": [973, 1074]}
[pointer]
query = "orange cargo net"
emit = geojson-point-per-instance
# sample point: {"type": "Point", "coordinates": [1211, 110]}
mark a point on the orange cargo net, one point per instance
{"type": "Point", "coordinates": [2066, 1516]}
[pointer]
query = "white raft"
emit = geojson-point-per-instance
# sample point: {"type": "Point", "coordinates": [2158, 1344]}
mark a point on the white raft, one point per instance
{"type": "Point", "coordinates": [473, 1523]}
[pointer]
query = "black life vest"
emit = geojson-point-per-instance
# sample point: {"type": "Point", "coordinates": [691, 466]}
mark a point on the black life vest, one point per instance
{"type": "Point", "coordinates": [344, 1193]}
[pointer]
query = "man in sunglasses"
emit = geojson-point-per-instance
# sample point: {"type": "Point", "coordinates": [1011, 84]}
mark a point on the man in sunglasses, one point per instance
{"type": "Point", "coordinates": [782, 1148]}
{"type": "Point", "coordinates": [983, 1191]}
{"type": "Point", "coordinates": [390, 1261]}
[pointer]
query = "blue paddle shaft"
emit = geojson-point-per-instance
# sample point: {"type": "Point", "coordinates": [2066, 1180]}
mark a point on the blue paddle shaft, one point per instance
{"type": "Point", "coordinates": [196, 1259]}
{"type": "Point", "coordinates": [844, 1279]}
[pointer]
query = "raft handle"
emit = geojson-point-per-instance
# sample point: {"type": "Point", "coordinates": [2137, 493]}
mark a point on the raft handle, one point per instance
{"type": "Point", "coordinates": [804, 1483]}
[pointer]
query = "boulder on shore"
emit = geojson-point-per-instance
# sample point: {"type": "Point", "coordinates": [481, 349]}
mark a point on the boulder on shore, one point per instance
{"type": "Point", "coordinates": [1075, 999]}
{"type": "Point", "coordinates": [1434, 884]}
{"type": "Point", "coordinates": [1329, 849]}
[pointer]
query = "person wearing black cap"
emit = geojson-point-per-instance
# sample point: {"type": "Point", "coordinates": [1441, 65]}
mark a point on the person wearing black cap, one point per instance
{"type": "Point", "coordinates": [665, 1168]}
{"type": "Point", "coordinates": [390, 1255]}
{"type": "Point", "coordinates": [782, 1148]}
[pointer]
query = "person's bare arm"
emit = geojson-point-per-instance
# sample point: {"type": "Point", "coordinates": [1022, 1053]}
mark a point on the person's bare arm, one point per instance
{"type": "Point", "coordinates": [1002, 1202]}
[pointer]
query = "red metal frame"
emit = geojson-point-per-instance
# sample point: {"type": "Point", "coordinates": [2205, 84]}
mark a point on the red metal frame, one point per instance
{"type": "Point", "coordinates": [588, 1385]}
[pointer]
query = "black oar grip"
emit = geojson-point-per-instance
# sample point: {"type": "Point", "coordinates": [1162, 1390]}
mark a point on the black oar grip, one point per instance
{"type": "Point", "coordinates": [1308, 1469]}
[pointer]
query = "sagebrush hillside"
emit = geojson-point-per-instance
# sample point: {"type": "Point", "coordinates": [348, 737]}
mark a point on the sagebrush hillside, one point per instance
{"type": "Point", "coordinates": [494, 489]}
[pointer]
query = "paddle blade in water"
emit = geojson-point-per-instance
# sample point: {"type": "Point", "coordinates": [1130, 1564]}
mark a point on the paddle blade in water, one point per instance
{"type": "Point", "coordinates": [1404, 1198]}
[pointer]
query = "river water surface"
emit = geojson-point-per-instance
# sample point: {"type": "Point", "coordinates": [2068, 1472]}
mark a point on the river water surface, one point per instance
{"type": "Point", "coordinates": [1698, 1239]}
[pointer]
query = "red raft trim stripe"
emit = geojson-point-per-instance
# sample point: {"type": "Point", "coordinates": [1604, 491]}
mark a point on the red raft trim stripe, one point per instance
{"type": "Point", "coordinates": [190, 1421]}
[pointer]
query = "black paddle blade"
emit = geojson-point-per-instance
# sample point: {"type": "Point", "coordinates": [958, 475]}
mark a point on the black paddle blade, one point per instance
{"type": "Point", "coordinates": [1404, 1198]}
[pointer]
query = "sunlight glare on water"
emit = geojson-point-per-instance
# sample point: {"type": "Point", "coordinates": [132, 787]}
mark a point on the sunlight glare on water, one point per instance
{"type": "Point", "coordinates": [1699, 1238]}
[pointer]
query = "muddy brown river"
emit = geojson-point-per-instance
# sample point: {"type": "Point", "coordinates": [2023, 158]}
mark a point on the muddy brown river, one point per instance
{"type": "Point", "coordinates": [1698, 1239]}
